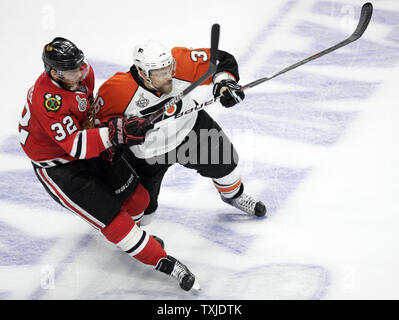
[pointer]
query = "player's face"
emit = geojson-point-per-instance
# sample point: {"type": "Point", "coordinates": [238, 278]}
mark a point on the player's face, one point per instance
{"type": "Point", "coordinates": [71, 78]}
{"type": "Point", "coordinates": [162, 78]}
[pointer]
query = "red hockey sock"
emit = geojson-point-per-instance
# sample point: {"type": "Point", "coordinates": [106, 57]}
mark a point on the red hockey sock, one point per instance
{"type": "Point", "coordinates": [130, 238]}
{"type": "Point", "coordinates": [137, 203]}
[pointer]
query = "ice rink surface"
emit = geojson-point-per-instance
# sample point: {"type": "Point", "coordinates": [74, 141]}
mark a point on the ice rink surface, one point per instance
{"type": "Point", "coordinates": [318, 145]}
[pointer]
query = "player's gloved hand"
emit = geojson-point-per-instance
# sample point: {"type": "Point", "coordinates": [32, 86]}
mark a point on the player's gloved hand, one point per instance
{"type": "Point", "coordinates": [229, 91]}
{"type": "Point", "coordinates": [129, 131]}
{"type": "Point", "coordinates": [112, 154]}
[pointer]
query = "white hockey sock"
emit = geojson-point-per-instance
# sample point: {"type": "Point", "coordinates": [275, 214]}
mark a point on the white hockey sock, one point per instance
{"type": "Point", "coordinates": [146, 219]}
{"type": "Point", "coordinates": [228, 186]}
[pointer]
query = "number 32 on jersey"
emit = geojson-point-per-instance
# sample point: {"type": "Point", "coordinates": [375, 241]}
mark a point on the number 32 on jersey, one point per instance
{"type": "Point", "coordinates": [61, 129]}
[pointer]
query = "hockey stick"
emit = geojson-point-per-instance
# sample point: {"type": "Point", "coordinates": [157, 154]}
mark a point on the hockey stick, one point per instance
{"type": "Point", "coordinates": [215, 32]}
{"type": "Point", "coordinates": [365, 16]}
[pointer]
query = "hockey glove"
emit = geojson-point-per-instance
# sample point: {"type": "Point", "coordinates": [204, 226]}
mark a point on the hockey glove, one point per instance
{"type": "Point", "coordinates": [112, 154]}
{"type": "Point", "coordinates": [229, 91]}
{"type": "Point", "coordinates": [129, 131]}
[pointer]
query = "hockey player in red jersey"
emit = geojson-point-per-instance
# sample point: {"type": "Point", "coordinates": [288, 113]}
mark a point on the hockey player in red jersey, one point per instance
{"type": "Point", "coordinates": [67, 151]}
{"type": "Point", "coordinates": [157, 75]}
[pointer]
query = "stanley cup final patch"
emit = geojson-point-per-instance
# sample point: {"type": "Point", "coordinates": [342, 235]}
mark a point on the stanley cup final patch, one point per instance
{"type": "Point", "coordinates": [142, 102]}
{"type": "Point", "coordinates": [82, 103]}
{"type": "Point", "coordinates": [52, 102]}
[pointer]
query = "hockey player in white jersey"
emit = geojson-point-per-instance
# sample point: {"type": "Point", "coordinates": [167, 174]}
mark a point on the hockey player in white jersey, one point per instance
{"type": "Point", "coordinates": [195, 141]}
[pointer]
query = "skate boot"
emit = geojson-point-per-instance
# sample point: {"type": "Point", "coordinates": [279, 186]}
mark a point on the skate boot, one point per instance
{"type": "Point", "coordinates": [178, 271]}
{"type": "Point", "coordinates": [247, 203]}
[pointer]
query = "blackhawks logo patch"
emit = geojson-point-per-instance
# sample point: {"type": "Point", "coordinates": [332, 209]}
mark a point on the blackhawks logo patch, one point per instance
{"type": "Point", "coordinates": [52, 102]}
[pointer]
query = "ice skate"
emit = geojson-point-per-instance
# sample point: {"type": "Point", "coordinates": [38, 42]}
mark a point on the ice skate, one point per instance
{"type": "Point", "coordinates": [247, 203]}
{"type": "Point", "coordinates": [178, 271]}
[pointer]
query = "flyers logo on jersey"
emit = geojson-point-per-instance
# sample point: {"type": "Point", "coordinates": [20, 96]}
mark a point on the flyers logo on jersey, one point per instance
{"type": "Point", "coordinates": [52, 103]}
{"type": "Point", "coordinates": [170, 111]}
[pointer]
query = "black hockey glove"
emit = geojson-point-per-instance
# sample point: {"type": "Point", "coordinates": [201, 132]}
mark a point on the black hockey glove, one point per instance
{"type": "Point", "coordinates": [229, 91]}
{"type": "Point", "coordinates": [129, 131]}
{"type": "Point", "coordinates": [112, 154]}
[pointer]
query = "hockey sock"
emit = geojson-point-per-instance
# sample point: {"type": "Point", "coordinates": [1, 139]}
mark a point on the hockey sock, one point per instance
{"type": "Point", "coordinates": [229, 185]}
{"type": "Point", "coordinates": [130, 238]}
{"type": "Point", "coordinates": [137, 203]}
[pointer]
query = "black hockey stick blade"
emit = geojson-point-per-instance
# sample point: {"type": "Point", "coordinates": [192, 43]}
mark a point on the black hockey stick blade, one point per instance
{"type": "Point", "coordinates": [365, 16]}
{"type": "Point", "coordinates": [215, 33]}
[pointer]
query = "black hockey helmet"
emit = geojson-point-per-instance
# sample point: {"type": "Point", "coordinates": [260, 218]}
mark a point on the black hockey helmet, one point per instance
{"type": "Point", "coordinates": [61, 54]}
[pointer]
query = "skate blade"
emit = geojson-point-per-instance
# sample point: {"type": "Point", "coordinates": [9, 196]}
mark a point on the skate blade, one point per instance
{"type": "Point", "coordinates": [196, 285]}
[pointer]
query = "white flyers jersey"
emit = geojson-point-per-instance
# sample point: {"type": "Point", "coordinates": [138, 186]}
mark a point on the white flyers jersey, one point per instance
{"type": "Point", "coordinates": [124, 94]}
{"type": "Point", "coordinates": [166, 135]}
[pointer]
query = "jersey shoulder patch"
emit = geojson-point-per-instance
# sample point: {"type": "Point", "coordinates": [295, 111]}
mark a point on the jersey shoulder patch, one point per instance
{"type": "Point", "coordinates": [52, 103]}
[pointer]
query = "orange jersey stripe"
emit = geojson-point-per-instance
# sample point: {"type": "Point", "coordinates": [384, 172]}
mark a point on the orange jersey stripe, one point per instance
{"type": "Point", "coordinates": [229, 189]}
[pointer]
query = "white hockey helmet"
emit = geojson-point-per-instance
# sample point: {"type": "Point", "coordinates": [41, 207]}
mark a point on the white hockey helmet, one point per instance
{"type": "Point", "coordinates": [152, 55]}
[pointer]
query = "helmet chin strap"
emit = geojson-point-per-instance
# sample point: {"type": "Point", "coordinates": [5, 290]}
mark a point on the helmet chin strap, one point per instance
{"type": "Point", "coordinates": [151, 85]}
{"type": "Point", "coordinates": [147, 79]}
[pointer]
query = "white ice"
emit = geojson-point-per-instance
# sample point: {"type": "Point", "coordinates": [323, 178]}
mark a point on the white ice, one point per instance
{"type": "Point", "coordinates": [327, 166]}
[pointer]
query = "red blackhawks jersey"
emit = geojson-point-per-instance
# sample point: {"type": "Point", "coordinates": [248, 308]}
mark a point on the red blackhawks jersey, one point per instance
{"type": "Point", "coordinates": [124, 94]}
{"type": "Point", "coordinates": [50, 128]}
